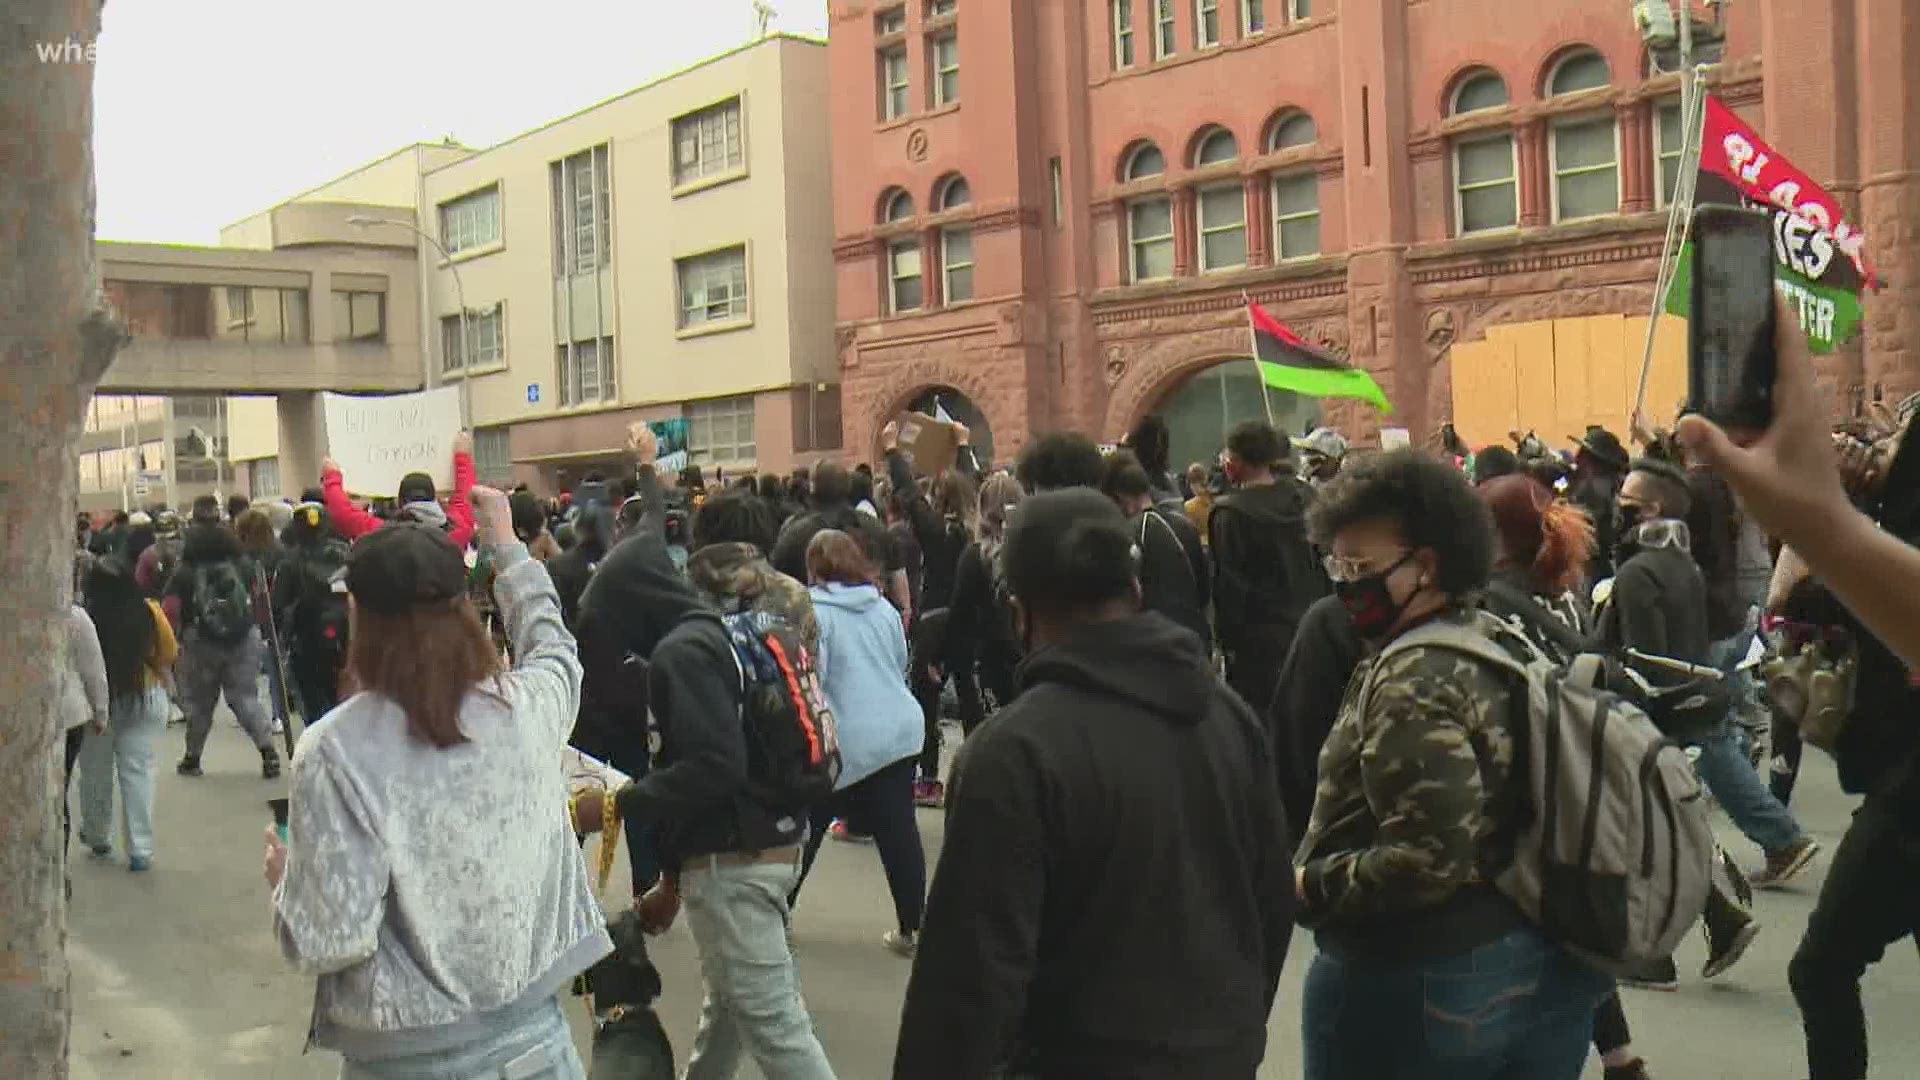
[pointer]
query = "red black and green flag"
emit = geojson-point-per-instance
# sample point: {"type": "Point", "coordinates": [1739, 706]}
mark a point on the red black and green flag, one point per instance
{"type": "Point", "coordinates": [1289, 362]}
{"type": "Point", "coordinates": [1820, 264]}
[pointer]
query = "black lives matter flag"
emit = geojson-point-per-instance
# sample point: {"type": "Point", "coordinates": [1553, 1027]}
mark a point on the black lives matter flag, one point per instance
{"type": "Point", "coordinates": [1820, 264]}
{"type": "Point", "coordinates": [1288, 362]}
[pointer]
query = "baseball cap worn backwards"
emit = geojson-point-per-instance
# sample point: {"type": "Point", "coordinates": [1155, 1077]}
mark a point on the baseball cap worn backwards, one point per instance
{"type": "Point", "coordinates": [403, 566]}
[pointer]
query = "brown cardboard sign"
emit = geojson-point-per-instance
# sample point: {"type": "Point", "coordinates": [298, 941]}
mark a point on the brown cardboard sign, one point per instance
{"type": "Point", "coordinates": [930, 445]}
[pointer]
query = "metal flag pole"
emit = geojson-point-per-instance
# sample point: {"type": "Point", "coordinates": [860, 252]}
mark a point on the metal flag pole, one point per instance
{"type": "Point", "coordinates": [1253, 343]}
{"type": "Point", "coordinates": [1680, 210]}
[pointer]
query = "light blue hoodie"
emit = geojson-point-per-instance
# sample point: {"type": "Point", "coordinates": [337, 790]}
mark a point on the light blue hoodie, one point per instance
{"type": "Point", "coordinates": [863, 665]}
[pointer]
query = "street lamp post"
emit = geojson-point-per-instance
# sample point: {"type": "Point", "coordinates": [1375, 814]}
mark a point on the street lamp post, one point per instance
{"type": "Point", "coordinates": [360, 221]}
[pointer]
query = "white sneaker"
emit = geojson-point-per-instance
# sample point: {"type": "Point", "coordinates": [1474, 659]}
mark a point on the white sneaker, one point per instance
{"type": "Point", "coordinates": [901, 942]}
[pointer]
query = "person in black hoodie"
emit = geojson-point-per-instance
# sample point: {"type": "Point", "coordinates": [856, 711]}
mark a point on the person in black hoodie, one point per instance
{"type": "Point", "coordinates": [210, 601]}
{"type": "Point", "coordinates": [732, 859]}
{"type": "Point", "coordinates": [1599, 467]}
{"type": "Point", "coordinates": [1265, 572]}
{"type": "Point", "coordinates": [1113, 898]}
{"type": "Point", "coordinates": [1174, 578]}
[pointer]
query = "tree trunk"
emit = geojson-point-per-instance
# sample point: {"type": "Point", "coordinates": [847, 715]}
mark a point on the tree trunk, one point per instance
{"type": "Point", "coordinates": [56, 340]}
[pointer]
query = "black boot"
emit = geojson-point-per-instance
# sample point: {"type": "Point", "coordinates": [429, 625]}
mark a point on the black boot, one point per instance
{"type": "Point", "coordinates": [189, 765]}
{"type": "Point", "coordinates": [269, 763]}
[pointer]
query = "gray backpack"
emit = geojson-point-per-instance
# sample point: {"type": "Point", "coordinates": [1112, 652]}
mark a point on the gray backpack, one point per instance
{"type": "Point", "coordinates": [1613, 849]}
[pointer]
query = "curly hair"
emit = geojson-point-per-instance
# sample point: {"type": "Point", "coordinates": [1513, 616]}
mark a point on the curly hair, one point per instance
{"type": "Point", "coordinates": [1428, 502]}
{"type": "Point", "coordinates": [1548, 537]}
{"type": "Point", "coordinates": [1060, 459]}
{"type": "Point", "coordinates": [736, 516]}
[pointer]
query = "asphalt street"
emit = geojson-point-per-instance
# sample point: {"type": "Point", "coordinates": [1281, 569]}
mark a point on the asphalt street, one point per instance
{"type": "Point", "coordinates": [176, 975]}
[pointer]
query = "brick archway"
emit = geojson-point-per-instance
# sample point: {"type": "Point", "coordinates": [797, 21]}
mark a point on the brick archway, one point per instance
{"type": "Point", "coordinates": [892, 393]}
{"type": "Point", "coordinates": [1161, 367]}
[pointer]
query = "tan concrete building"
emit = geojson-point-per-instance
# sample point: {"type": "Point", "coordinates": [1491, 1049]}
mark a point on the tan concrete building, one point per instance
{"type": "Point", "coordinates": [667, 253]}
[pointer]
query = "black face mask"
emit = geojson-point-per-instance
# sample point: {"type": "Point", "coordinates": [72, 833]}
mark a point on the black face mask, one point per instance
{"type": "Point", "coordinates": [1627, 519]}
{"type": "Point", "coordinates": [1370, 603]}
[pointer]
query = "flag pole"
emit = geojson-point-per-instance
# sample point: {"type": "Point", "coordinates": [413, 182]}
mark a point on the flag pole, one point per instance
{"type": "Point", "coordinates": [1679, 224]}
{"type": "Point", "coordinates": [1253, 344]}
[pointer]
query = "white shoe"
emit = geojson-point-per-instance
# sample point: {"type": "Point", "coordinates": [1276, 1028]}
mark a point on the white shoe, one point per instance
{"type": "Point", "coordinates": [901, 942]}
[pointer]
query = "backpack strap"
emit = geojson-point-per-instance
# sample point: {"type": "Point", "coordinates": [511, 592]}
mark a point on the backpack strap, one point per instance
{"type": "Point", "coordinates": [1186, 557]}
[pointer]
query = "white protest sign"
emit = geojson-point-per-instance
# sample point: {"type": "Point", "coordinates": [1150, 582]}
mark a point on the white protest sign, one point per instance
{"type": "Point", "coordinates": [379, 440]}
{"type": "Point", "coordinates": [1395, 438]}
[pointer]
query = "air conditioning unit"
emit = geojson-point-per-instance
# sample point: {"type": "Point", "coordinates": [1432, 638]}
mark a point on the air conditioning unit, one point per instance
{"type": "Point", "coordinates": [1656, 21]}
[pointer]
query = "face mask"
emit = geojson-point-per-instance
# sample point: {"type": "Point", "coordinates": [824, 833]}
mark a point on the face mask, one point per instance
{"type": "Point", "coordinates": [1626, 518]}
{"type": "Point", "coordinates": [1370, 603]}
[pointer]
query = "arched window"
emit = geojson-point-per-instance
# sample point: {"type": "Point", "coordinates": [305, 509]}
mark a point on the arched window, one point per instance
{"type": "Point", "coordinates": [1481, 90]}
{"type": "Point", "coordinates": [1145, 160]}
{"type": "Point", "coordinates": [952, 193]}
{"type": "Point", "coordinates": [1293, 129]}
{"type": "Point", "coordinates": [1216, 146]}
{"type": "Point", "coordinates": [897, 207]}
{"type": "Point", "coordinates": [1584, 151]}
{"type": "Point", "coordinates": [1149, 218]}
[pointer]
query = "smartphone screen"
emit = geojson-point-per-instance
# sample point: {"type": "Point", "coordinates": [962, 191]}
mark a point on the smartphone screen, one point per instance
{"type": "Point", "coordinates": [1731, 361]}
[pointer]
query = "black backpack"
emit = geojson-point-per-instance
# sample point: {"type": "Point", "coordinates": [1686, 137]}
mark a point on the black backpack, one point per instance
{"type": "Point", "coordinates": [223, 602]}
{"type": "Point", "coordinates": [320, 608]}
{"type": "Point", "coordinates": [793, 744]}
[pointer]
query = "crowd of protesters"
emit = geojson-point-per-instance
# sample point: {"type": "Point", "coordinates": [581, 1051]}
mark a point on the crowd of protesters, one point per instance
{"type": "Point", "coordinates": [1194, 710]}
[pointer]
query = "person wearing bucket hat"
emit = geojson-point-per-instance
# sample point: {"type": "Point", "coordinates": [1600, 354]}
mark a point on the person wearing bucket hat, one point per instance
{"type": "Point", "coordinates": [418, 500]}
{"type": "Point", "coordinates": [1599, 468]}
{"type": "Point", "coordinates": [1321, 454]}
{"type": "Point", "coordinates": [428, 834]}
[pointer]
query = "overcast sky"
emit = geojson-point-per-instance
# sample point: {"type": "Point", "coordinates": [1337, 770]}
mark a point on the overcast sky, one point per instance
{"type": "Point", "coordinates": [207, 111]}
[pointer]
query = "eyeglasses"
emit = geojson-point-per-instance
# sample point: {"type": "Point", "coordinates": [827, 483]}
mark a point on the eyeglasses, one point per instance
{"type": "Point", "coordinates": [1343, 568]}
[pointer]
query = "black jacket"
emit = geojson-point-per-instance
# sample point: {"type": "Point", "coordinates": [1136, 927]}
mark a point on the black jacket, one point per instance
{"type": "Point", "coordinates": [790, 551]}
{"type": "Point", "coordinates": [1174, 577]}
{"type": "Point", "coordinates": [1306, 701]}
{"type": "Point", "coordinates": [940, 539]}
{"type": "Point", "coordinates": [1114, 897]}
{"type": "Point", "coordinates": [1658, 606]}
{"type": "Point", "coordinates": [1595, 493]}
{"type": "Point", "coordinates": [1265, 572]}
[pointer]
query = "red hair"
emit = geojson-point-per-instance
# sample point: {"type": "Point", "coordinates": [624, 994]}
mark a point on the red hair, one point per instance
{"type": "Point", "coordinates": [1548, 537]}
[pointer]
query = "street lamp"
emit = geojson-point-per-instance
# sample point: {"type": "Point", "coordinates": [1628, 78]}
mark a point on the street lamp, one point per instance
{"type": "Point", "coordinates": [362, 221]}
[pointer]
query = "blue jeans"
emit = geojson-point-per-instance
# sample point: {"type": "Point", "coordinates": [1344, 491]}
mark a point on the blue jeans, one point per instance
{"type": "Point", "coordinates": [1724, 768]}
{"type": "Point", "coordinates": [134, 725]}
{"type": "Point", "coordinates": [1518, 1008]}
{"type": "Point", "coordinates": [738, 915]}
{"type": "Point", "coordinates": [537, 1048]}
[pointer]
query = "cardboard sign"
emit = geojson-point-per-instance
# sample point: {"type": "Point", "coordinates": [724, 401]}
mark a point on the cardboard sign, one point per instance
{"type": "Point", "coordinates": [379, 440]}
{"type": "Point", "coordinates": [930, 446]}
{"type": "Point", "coordinates": [1395, 438]}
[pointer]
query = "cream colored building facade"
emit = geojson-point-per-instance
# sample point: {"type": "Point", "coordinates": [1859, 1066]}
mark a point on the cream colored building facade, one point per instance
{"type": "Point", "coordinates": [667, 253]}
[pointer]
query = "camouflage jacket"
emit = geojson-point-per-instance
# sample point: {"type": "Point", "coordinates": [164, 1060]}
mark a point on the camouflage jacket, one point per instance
{"type": "Point", "coordinates": [1410, 778]}
{"type": "Point", "coordinates": [736, 578]}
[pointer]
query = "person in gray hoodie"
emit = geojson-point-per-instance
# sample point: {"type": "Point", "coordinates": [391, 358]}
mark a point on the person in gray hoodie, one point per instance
{"type": "Point", "coordinates": [863, 667]}
{"type": "Point", "coordinates": [430, 876]}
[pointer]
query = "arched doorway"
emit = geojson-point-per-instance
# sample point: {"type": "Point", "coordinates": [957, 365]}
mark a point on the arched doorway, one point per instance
{"type": "Point", "coordinates": [946, 403]}
{"type": "Point", "coordinates": [1202, 407]}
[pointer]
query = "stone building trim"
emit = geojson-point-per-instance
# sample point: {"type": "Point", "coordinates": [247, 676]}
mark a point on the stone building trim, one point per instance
{"type": "Point", "coordinates": [1222, 301]}
{"type": "Point", "coordinates": [1487, 265]}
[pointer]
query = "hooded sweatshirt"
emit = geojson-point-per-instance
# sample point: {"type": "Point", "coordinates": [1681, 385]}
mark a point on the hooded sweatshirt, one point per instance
{"type": "Point", "coordinates": [696, 793]}
{"type": "Point", "coordinates": [1114, 896]}
{"type": "Point", "coordinates": [863, 667]}
{"type": "Point", "coordinates": [1265, 573]}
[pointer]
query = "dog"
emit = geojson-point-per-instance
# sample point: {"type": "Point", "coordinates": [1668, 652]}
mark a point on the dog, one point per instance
{"type": "Point", "coordinates": [629, 1042]}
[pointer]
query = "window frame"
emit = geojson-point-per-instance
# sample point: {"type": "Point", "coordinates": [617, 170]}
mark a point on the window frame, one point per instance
{"type": "Point", "coordinates": [899, 197]}
{"type": "Point", "coordinates": [883, 21]}
{"type": "Point", "coordinates": [1662, 200]}
{"type": "Point", "coordinates": [470, 357]}
{"type": "Point", "coordinates": [1299, 10]}
{"type": "Point", "coordinates": [888, 87]}
{"type": "Point", "coordinates": [740, 411]}
{"type": "Point", "coordinates": [1202, 231]}
{"type": "Point", "coordinates": [739, 302]}
{"type": "Point", "coordinates": [1567, 60]}
{"type": "Point", "coordinates": [348, 337]}
{"type": "Point", "coordinates": [1166, 32]}
{"type": "Point", "coordinates": [1281, 218]}
{"type": "Point", "coordinates": [1477, 76]}
{"type": "Point", "coordinates": [940, 72]}
{"type": "Point", "coordinates": [895, 249]}
{"type": "Point", "coordinates": [1136, 243]}
{"type": "Point", "coordinates": [1253, 17]}
{"type": "Point", "coordinates": [948, 265]}
{"type": "Point", "coordinates": [1555, 175]}
{"type": "Point", "coordinates": [1202, 9]}
{"type": "Point", "coordinates": [1120, 12]}
{"type": "Point", "coordinates": [730, 115]}
{"type": "Point", "coordinates": [454, 235]}
{"type": "Point", "coordinates": [571, 257]}
{"type": "Point", "coordinates": [1460, 187]}
{"type": "Point", "coordinates": [606, 388]}
{"type": "Point", "coordinates": [1288, 119]}
{"type": "Point", "coordinates": [940, 9]}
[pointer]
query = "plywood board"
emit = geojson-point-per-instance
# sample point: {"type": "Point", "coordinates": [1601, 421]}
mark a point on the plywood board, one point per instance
{"type": "Point", "coordinates": [1572, 355]}
{"type": "Point", "coordinates": [1667, 381]}
{"type": "Point", "coordinates": [1533, 367]}
{"type": "Point", "coordinates": [1608, 373]}
{"type": "Point", "coordinates": [1484, 392]}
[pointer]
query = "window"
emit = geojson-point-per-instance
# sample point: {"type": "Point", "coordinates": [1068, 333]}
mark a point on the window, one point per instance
{"type": "Point", "coordinates": [237, 308]}
{"type": "Point", "coordinates": [1253, 16]}
{"type": "Point", "coordinates": [1223, 227]}
{"type": "Point", "coordinates": [946, 69]}
{"type": "Point", "coordinates": [263, 478]}
{"type": "Point", "coordinates": [954, 194]}
{"type": "Point", "coordinates": [1484, 90]}
{"type": "Point", "coordinates": [713, 287]}
{"type": "Point", "coordinates": [720, 432]}
{"type": "Point", "coordinates": [263, 316]}
{"type": "Point", "coordinates": [939, 9]}
{"type": "Point", "coordinates": [1669, 148]}
{"type": "Point", "coordinates": [1122, 33]}
{"type": "Point", "coordinates": [359, 316]}
{"type": "Point", "coordinates": [493, 455]}
{"type": "Point", "coordinates": [893, 84]}
{"type": "Point", "coordinates": [586, 371]}
{"type": "Point", "coordinates": [485, 344]}
{"type": "Point", "coordinates": [1584, 150]}
{"type": "Point", "coordinates": [905, 289]}
{"type": "Point", "coordinates": [1291, 130]}
{"type": "Point", "coordinates": [707, 143]}
{"type": "Point", "coordinates": [1296, 215]}
{"type": "Point", "coordinates": [1206, 23]}
{"type": "Point", "coordinates": [582, 213]}
{"type": "Point", "coordinates": [891, 21]}
{"type": "Point", "coordinates": [1150, 219]}
{"type": "Point", "coordinates": [899, 207]}
{"type": "Point", "coordinates": [470, 221]}
{"type": "Point", "coordinates": [1217, 146]}
{"type": "Point", "coordinates": [1299, 9]}
{"type": "Point", "coordinates": [1059, 192]}
{"type": "Point", "coordinates": [956, 244]}
{"type": "Point", "coordinates": [1485, 195]}
{"type": "Point", "coordinates": [1163, 42]}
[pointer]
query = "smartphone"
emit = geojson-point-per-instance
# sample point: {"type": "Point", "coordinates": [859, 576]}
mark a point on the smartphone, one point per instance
{"type": "Point", "coordinates": [279, 808]}
{"type": "Point", "coordinates": [1731, 363]}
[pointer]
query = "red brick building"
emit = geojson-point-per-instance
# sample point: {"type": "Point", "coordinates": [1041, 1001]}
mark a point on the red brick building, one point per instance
{"type": "Point", "coordinates": [1052, 209]}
